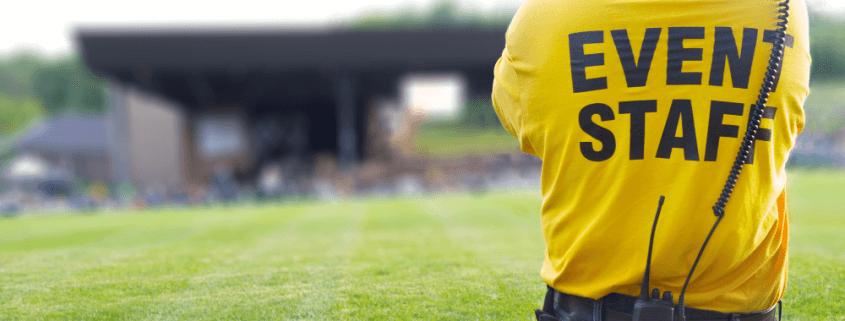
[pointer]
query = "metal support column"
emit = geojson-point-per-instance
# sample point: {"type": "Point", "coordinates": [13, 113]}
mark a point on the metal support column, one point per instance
{"type": "Point", "coordinates": [346, 120]}
{"type": "Point", "coordinates": [117, 133]}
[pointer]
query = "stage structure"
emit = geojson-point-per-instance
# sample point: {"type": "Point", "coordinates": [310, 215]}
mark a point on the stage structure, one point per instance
{"type": "Point", "coordinates": [184, 101]}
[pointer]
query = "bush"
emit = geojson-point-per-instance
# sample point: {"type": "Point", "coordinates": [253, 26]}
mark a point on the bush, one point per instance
{"type": "Point", "coordinates": [16, 113]}
{"type": "Point", "coordinates": [479, 113]}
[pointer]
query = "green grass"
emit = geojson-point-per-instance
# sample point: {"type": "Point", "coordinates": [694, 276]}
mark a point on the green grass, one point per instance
{"type": "Point", "coordinates": [440, 257]}
{"type": "Point", "coordinates": [817, 245]}
{"type": "Point", "coordinates": [443, 140]}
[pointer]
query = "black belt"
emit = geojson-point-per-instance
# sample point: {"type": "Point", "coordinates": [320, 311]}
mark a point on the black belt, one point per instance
{"type": "Point", "coordinates": [619, 307]}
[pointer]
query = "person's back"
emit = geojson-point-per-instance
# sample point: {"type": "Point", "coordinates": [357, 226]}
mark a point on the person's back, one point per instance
{"type": "Point", "coordinates": [627, 100]}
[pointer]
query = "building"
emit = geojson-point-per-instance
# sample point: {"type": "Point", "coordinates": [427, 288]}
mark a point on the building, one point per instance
{"type": "Point", "coordinates": [76, 144]}
{"type": "Point", "coordinates": [185, 102]}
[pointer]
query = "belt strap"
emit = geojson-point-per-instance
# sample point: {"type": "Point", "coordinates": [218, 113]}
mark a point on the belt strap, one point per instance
{"type": "Point", "coordinates": [619, 307]}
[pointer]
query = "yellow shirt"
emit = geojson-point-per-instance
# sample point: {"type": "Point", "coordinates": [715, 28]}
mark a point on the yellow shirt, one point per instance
{"type": "Point", "coordinates": [627, 100]}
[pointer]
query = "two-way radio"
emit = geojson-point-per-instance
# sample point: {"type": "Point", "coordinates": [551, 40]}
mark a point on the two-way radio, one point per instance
{"type": "Point", "coordinates": [655, 309]}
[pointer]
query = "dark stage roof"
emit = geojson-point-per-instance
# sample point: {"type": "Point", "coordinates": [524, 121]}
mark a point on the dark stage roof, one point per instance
{"type": "Point", "coordinates": [329, 76]}
{"type": "Point", "coordinates": [255, 67]}
{"type": "Point", "coordinates": [115, 52]}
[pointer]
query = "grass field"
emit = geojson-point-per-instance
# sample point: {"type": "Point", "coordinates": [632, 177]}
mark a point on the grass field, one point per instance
{"type": "Point", "coordinates": [444, 140]}
{"type": "Point", "coordinates": [446, 257]}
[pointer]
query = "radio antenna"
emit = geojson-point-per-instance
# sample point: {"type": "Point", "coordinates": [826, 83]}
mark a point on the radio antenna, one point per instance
{"type": "Point", "coordinates": [644, 287]}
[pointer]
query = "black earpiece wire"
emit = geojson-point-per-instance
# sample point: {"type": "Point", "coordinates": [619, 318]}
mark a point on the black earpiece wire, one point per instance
{"type": "Point", "coordinates": [750, 133]}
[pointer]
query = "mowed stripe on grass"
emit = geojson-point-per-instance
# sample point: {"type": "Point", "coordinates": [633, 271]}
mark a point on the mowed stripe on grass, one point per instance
{"type": "Point", "coordinates": [816, 289]}
{"type": "Point", "coordinates": [369, 259]}
{"type": "Point", "coordinates": [438, 257]}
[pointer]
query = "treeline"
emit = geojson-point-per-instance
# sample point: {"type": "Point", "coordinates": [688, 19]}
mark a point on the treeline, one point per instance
{"type": "Point", "coordinates": [443, 14]}
{"type": "Point", "coordinates": [32, 86]}
{"type": "Point", "coordinates": [827, 46]}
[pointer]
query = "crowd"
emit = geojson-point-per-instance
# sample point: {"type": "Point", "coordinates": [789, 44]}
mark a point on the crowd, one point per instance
{"type": "Point", "coordinates": [325, 181]}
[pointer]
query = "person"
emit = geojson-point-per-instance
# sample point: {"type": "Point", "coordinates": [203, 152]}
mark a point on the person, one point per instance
{"type": "Point", "coordinates": [629, 100]}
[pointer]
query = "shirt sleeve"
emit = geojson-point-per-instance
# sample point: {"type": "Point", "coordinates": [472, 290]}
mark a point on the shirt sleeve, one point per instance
{"type": "Point", "coordinates": [506, 102]}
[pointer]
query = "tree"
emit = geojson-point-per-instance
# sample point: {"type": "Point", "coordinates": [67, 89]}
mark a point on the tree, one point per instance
{"type": "Point", "coordinates": [69, 85]}
{"type": "Point", "coordinates": [443, 14]}
{"type": "Point", "coordinates": [16, 74]}
{"type": "Point", "coordinates": [16, 113]}
{"type": "Point", "coordinates": [827, 45]}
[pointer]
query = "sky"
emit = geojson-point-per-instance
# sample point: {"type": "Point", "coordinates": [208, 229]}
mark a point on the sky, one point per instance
{"type": "Point", "coordinates": [47, 27]}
